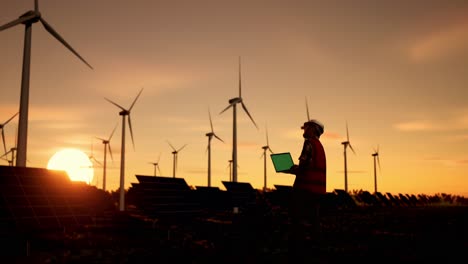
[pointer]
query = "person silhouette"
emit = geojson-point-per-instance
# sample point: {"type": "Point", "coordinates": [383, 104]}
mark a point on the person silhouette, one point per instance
{"type": "Point", "coordinates": [308, 188]}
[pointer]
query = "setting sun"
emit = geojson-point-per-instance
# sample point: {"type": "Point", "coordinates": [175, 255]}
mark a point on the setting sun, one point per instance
{"type": "Point", "coordinates": [75, 162]}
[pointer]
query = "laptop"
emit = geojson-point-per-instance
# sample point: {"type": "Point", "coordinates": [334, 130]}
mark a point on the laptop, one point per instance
{"type": "Point", "coordinates": [282, 161]}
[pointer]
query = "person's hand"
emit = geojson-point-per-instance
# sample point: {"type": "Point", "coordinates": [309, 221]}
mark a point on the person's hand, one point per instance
{"type": "Point", "coordinates": [293, 169]}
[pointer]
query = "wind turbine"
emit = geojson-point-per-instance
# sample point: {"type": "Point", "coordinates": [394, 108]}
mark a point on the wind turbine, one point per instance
{"type": "Point", "coordinates": [2, 127]}
{"type": "Point", "coordinates": [345, 145]}
{"type": "Point", "coordinates": [12, 160]}
{"type": "Point", "coordinates": [376, 161]}
{"type": "Point", "coordinates": [91, 156]}
{"type": "Point", "coordinates": [156, 165]}
{"type": "Point", "coordinates": [12, 151]}
{"type": "Point", "coordinates": [210, 135]}
{"type": "Point", "coordinates": [265, 148]}
{"type": "Point", "coordinates": [106, 143]}
{"type": "Point", "coordinates": [28, 19]}
{"type": "Point", "coordinates": [232, 103]}
{"type": "Point", "coordinates": [93, 160]}
{"type": "Point", "coordinates": [174, 153]}
{"type": "Point", "coordinates": [124, 113]}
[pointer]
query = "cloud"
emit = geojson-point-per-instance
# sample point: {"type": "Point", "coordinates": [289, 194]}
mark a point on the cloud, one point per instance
{"type": "Point", "coordinates": [462, 161]}
{"type": "Point", "coordinates": [415, 126]}
{"type": "Point", "coordinates": [451, 40]}
{"type": "Point", "coordinates": [455, 121]}
{"type": "Point", "coordinates": [462, 120]}
{"type": "Point", "coordinates": [331, 135]}
{"type": "Point", "coordinates": [447, 161]}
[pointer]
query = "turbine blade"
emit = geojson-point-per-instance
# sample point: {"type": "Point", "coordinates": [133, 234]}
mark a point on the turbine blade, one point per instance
{"type": "Point", "coordinates": [351, 147]}
{"type": "Point", "coordinates": [116, 104]}
{"type": "Point", "coordinates": [307, 109]}
{"type": "Point", "coordinates": [131, 131]}
{"type": "Point", "coordinates": [378, 162]}
{"type": "Point", "coordinates": [157, 167]}
{"type": "Point", "coordinates": [110, 151]}
{"type": "Point", "coordinates": [271, 151]}
{"type": "Point", "coordinates": [347, 132]}
{"type": "Point", "coordinates": [266, 131]}
{"type": "Point", "coordinates": [10, 119]}
{"type": "Point", "coordinates": [16, 22]}
{"type": "Point", "coordinates": [59, 38]}
{"type": "Point", "coordinates": [3, 138]}
{"type": "Point", "coordinates": [240, 79]}
{"type": "Point", "coordinates": [171, 145]}
{"type": "Point", "coordinates": [245, 109]}
{"type": "Point", "coordinates": [112, 132]}
{"type": "Point", "coordinates": [134, 101]}
{"type": "Point", "coordinates": [226, 108]}
{"type": "Point", "coordinates": [182, 147]}
{"type": "Point", "coordinates": [97, 161]}
{"type": "Point", "coordinates": [211, 122]}
{"type": "Point", "coordinates": [6, 153]}
{"type": "Point", "coordinates": [218, 138]}
{"type": "Point", "coordinates": [36, 5]}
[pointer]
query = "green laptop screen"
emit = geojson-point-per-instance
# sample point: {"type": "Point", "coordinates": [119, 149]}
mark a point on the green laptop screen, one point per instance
{"type": "Point", "coordinates": [282, 161]}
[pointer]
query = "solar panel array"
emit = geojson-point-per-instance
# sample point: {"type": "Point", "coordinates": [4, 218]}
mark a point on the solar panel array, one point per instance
{"type": "Point", "coordinates": [163, 197]}
{"type": "Point", "coordinates": [241, 193]}
{"type": "Point", "coordinates": [40, 199]}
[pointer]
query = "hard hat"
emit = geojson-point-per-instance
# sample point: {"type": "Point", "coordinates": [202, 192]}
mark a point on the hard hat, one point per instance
{"type": "Point", "coordinates": [315, 123]}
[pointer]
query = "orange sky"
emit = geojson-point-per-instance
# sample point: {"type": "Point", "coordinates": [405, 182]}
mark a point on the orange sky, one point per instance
{"type": "Point", "coordinates": [394, 71]}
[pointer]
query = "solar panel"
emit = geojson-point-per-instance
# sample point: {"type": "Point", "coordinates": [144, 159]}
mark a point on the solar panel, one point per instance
{"type": "Point", "coordinates": [241, 193]}
{"type": "Point", "coordinates": [163, 197]}
{"type": "Point", "coordinates": [37, 198]}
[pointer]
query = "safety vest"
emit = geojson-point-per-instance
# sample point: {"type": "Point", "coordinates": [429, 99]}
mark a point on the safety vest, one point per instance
{"type": "Point", "coordinates": [311, 175]}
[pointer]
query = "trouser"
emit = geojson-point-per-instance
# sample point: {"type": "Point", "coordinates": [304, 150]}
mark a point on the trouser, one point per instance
{"type": "Point", "coordinates": [304, 232]}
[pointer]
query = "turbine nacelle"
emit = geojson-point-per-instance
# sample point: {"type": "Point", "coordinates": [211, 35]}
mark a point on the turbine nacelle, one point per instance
{"type": "Point", "coordinates": [124, 112]}
{"type": "Point", "coordinates": [235, 100]}
{"type": "Point", "coordinates": [32, 17]}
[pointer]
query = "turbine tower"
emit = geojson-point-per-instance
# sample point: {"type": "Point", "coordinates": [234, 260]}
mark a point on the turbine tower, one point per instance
{"type": "Point", "coordinates": [2, 127]}
{"type": "Point", "coordinates": [174, 153]}
{"type": "Point", "coordinates": [230, 169]}
{"type": "Point", "coordinates": [376, 161]}
{"type": "Point", "coordinates": [124, 113]}
{"type": "Point", "coordinates": [156, 165]}
{"type": "Point", "coordinates": [232, 103]}
{"type": "Point", "coordinates": [265, 148]}
{"type": "Point", "coordinates": [106, 143]}
{"type": "Point", "coordinates": [210, 135]}
{"type": "Point", "coordinates": [345, 145]}
{"type": "Point", "coordinates": [28, 19]}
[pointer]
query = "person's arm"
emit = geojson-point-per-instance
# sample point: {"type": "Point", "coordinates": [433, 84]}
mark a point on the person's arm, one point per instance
{"type": "Point", "coordinates": [303, 159]}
